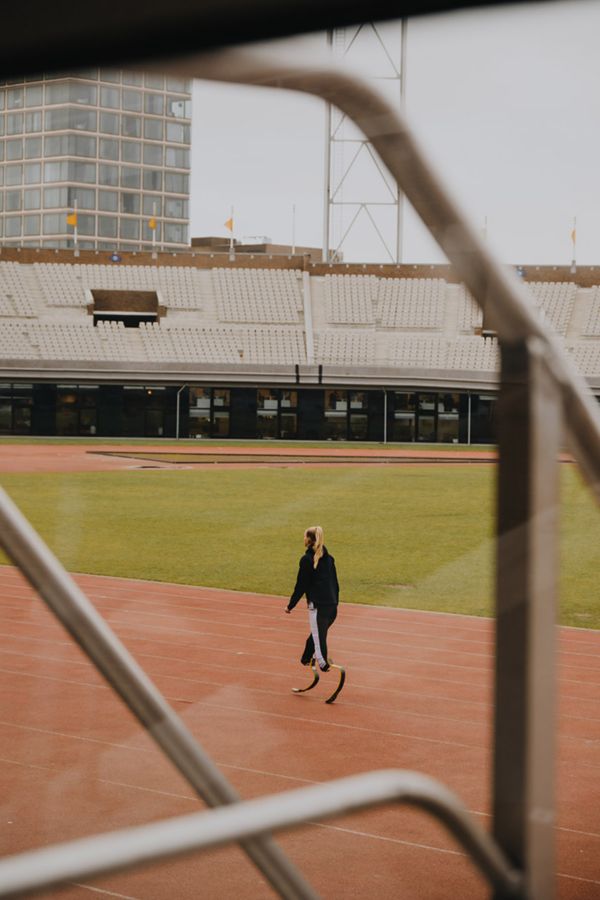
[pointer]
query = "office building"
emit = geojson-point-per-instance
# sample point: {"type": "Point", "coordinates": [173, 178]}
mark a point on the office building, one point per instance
{"type": "Point", "coordinates": [99, 159]}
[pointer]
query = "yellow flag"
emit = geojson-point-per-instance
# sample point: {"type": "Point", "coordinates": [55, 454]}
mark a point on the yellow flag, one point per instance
{"type": "Point", "coordinates": [229, 225]}
{"type": "Point", "coordinates": [152, 224]}
{"type": "Point", "coordinates": [72, 219]}
{"type": "Point", "coordinates": [574, 235]}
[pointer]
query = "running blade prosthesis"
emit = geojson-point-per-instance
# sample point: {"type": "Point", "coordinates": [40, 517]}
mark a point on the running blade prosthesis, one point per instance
{"type": "Point", "coordinates": [317, 677]}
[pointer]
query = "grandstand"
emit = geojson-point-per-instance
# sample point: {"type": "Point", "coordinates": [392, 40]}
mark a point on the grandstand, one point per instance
{"type": "Point", "coordinates": [408, 338]}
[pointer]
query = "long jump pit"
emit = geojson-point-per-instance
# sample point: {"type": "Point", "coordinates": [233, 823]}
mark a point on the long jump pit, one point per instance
{"type": "Point", "coordinates": [418, 696]}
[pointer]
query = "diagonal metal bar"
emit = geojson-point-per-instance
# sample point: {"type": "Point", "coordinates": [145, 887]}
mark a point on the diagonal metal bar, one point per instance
{"type": "Point", "coordinates": [381, 238]}
{"type": "Point", "coordinates": [361, 146]}
{"type": "Point", "coordinates": [40, 869]}
{"type": "Point", "coordinates": [113, 660]}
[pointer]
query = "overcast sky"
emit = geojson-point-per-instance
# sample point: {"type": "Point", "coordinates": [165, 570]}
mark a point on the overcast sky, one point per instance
{"type": "Point", "coordinates": [506, 101]}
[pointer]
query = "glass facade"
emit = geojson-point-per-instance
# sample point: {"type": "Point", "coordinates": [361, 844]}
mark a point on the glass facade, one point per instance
{"type": "Point", "coordinates": [264, 413]}
{"type": "Point", "coordinates": [80, 134]}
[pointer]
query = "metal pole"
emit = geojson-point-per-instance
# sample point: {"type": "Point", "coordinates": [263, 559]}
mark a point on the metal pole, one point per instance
{"type": "Point", "coordinates": [527, 552]}
{"type": "Point", "coordinates": [384, 416]}
{"type": "Point", "coordinates": [183, 386]}
{"type": "Point", "coordinates": [469, 419]}
{"type": "Point", "coordinates": [327, 170]}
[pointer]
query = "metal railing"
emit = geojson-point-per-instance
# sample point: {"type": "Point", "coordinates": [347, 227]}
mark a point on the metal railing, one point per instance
{"type": "Point", "coordinates": [539, 387]}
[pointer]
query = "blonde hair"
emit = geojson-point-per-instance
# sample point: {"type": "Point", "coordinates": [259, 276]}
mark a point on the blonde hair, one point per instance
{"type": "Point", "coordinates": [315, 537]}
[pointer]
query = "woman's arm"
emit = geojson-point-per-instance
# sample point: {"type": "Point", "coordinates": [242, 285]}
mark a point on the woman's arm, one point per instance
{"type": "Point", "coordinates": [302, 582]}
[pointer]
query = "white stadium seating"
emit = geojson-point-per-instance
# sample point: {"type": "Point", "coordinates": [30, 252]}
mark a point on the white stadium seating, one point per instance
{"type": "Point", "coordinates": [257, 316]}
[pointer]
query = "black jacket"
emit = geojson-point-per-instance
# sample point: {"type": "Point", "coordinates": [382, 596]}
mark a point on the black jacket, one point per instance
{"type": "Point", "coordinates": [320, 585]}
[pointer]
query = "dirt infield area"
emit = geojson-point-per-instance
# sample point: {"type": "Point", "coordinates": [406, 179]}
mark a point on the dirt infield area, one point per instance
{"type": "Point", "coordinates": [97, 457]}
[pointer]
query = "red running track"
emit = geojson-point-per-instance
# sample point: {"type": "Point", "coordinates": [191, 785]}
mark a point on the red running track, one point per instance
{"type": "Point", "coordinates": [418, 696]}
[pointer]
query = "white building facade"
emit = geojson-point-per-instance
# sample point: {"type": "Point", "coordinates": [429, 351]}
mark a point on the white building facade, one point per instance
{"type": "Point", "coordinates": [112, 146]}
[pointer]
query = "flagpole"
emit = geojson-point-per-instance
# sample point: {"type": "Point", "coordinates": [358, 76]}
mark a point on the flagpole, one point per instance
{"type": "Point", "coordinates": [231, 244]}
{"type": "Point", "coordinates": [574, 242]}
{"type": "Point", "coordinates": [293, 229]}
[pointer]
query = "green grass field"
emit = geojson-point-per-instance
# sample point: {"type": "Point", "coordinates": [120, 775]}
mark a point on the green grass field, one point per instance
{"type": "Point", "coordinates": [402, 536]}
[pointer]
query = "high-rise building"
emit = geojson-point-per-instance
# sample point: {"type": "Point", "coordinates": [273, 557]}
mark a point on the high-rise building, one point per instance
{"type": "Point", "coordinates": [100, 157]}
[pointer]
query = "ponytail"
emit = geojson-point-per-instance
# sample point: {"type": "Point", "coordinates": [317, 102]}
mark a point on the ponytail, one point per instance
{"type": "Point", "coordinates": [315, 537]}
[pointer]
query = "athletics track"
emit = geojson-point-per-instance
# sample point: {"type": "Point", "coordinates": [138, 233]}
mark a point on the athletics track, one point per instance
{"type": "Point", "coordinates": [418, 696]}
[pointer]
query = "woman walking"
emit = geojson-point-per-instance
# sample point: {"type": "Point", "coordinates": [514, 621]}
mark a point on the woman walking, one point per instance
{"type": "Point", "coordinates": [317, 578]}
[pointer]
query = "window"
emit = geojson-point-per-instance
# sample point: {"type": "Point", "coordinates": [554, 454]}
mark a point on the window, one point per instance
{"type": "Point", "coordinates": [71, 92]}
{"type": "Point", "coordinates": [107, 226]}
{"type": "Point", "coordinates": [153, 154]}
{"type": "Point", "coordinates": [57, 93]}
{"type": "Point", "coordinates": [86, 224]}
{"type": "Point", "coordinates": [154, 129]}
{"type": "Point", "coordinates": [176, 234]}
{"type": "Point", "coordinates": [55, 197]}
{"type": "Point", "coordinates": [176, 208]}
{"type": "Point", "coordinates": [130, 203]}
{"type": "Point", "coordinates": [178, 159]}
{"type": "Point", "coordinates": [448, 418]}
{"type": "Point", "coordinates": [132, 100]}
{"type": "Point", "coordinates": [336, 415]}
{"type": "Point", "coordinates": [110, 123]}
{"type": "Point", "coordinates": [154, 81]}
{"type": "Point", "coordinates": [33, 147]}
{"type": "Point", "coordinates": [13, 175]}
{"type": "Point", "coordinates": [70, 117]}
{"type": "Point", "coordinates": [109, 149]}
{"type": "Point", "coordinates": [177, 133]}
{"type": "Point", "coordinates": [12, 226]}
{"type": "Point", "coordinates": [33, 173]}
{"type": "Point", "coordinates": [56, 171]}
{"type": "Point", "coordinates": [176, 183]}
{"type": "Point", "coordinates": [177, 84]}
{"type": "Point", "coordinates": [31, 225]}
{"type": "Point", "coordinates": [84, 197]}
{"type": "Point", "coordinates": [58, 145]}
{"type": "Point", "coordinates": [13, 201]}
{"type": "Point", "coordinates": [178, 108]}
{"type": "Point", "coordinates": [131, 152]}
{"type": "Point", "coordinates": [14, 98]}
{"type": "Point", "coordinates": [81, 145]}
{"type": "Point", "coordinates": [152, 180]}
{"type": "Point", "coordinates": [130, 229]}
{"type": "Point", "coordinates": [131, 126]}
{"type": "Point", "coordinates": [108, 201]}
{"type": "Point", "coordinates": [31, 199]}
{"type": "Point", "coordinates": [130, 177]}
{"type": "Point", "coordinates": [33, 121]}
{"type": "Point", "coordinates": [34, 96]}
{"type": "Point", "coordinates": [152, 206]}
{"type": "Point", "coordinates": [14, 149]}
{"type": "Point", "coordinates": [14, 123]}
{"type": "Point", "coordinates": [80, 171]}
{"type": "Point", "coordinates": [154, 104]}
{"type": "Point", "coordinates": [403, 428]}
{"type": "Point", "coordinates": [108, 175]}
{"type": "Point", "coordinates": [114, 77]}
{"type": "Point", "coordinates": [110, 97]}
{"type": "Point", "coordinates": [133, 78]}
